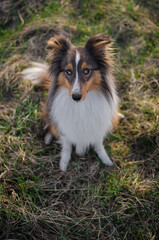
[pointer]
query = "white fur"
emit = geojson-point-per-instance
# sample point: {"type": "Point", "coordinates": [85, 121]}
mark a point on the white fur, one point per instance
{"type": "Point", "coordinates": [33, 73]}
{"type": "Point", "coordinates": [76, 85]}
{"type": "Point", "coordinates": [83, 123]}
{"type": "Point", "coordinates": [48, 138]}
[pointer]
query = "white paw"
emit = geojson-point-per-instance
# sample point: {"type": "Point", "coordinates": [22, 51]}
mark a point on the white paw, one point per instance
{"type": "Point", "coordinates": [48, 138]}
{"type": "Point", "coordinates": [106, 160]}
{"type": "Point", "coordinates": [64, 164]}
{"type": "Point", "coordinates": [104, 157]}
{"type": "Point", "coordinates": [99, 148]}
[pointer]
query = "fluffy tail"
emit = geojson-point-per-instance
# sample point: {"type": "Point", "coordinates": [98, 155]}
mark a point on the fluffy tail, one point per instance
{"type": "Point", "coordinates": [38, 75]}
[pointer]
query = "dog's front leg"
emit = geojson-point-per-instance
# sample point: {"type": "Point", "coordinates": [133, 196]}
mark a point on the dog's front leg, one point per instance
{"type": "Point", "coordinates": [99, 148]}
{"type": "Point", "coordinates": [65, 154]}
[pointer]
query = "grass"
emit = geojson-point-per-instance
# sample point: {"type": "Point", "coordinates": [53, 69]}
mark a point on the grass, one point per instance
{"type": "Point", "coordinates": [89, 201]}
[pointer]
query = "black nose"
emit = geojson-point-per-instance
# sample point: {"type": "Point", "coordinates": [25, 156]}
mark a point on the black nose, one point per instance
{"type": "Point", "coordinates": [76, 96]}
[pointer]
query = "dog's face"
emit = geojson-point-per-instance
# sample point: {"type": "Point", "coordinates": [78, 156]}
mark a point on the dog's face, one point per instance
{"type": "Point", "coordinates": [80, 69]}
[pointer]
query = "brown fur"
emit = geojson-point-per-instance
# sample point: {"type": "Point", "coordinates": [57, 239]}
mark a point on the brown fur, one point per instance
{"type": "Point", "coordinates": [44, 114]}
{"type": "Point", "coordinates": [116, 120]}
{"type": "Point", "coordinates": [62, 82]}
{"type": "Point", "coordinates": [84, 65]}
{"type": "Point", "coordinates": [45, 82]}
{"type": "Point", "coordinates": [70, 66]}
{"type": "Point", "coordinates": [46, 121]}
{"type": "Point", "coordinates": [54, 131]}
{"type": "Point", "coordinates": [53, 43]}
{"type": "Point", "coordinates": [94, 83]}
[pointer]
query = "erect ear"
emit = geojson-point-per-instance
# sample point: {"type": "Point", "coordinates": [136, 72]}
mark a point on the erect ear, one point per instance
{"type": "Point", "coordinates": [58, 47]}
{"type": "Point", "coordinates": [97, 43]}
{"type": "Point", "coordinates": [58, 44]}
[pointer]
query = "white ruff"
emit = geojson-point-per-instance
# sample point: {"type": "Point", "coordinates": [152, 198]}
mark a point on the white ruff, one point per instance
{"type": "Point", "coordinates": [83, 123]}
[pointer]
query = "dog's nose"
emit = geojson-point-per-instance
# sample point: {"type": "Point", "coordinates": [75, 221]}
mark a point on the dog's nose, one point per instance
{"type": "Point", "coordinates": [76, 96]}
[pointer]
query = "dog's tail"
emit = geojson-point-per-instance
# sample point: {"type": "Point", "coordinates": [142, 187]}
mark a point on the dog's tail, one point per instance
{"type": "Point", "coordinates": [38, 75]}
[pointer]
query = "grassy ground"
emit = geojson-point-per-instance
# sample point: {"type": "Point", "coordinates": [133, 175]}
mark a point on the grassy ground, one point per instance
{"type": "Point", "coordinates": [90, 201]}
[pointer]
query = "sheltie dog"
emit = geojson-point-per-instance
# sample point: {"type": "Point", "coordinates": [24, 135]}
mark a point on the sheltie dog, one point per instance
{"type": "Point", "coordinates": [82, 102]}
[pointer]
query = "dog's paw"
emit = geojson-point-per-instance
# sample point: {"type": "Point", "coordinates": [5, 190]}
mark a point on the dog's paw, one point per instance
{"type": "Point", "coordinates": [63, 165]}
{"type": "Point", "coordinates": [104, 156]}
{"type": "Point", "coordinates": [64, 162]}
{"type": "Point", "coordinates": [48, 138]}
{"type": "Point", "coordinates": [106, 160]}
{"type": "Point", "coordinates": [99, 148]}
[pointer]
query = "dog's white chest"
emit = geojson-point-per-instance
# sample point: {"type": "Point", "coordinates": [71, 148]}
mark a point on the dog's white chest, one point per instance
{"type": "Point", "coordinates": [85, 122]}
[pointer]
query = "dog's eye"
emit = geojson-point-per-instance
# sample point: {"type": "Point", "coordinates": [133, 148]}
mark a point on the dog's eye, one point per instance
{"type": "Point", "coordinates": [86, 71]}
{"type": "Point", "coordinates": [68, 72]}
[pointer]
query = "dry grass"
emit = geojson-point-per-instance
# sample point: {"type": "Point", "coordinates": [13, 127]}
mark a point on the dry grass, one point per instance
{"type": "Point", "coordinates": [90, 201]}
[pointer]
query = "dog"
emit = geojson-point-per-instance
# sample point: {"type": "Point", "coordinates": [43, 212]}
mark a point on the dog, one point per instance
{"type": "Point", "coordinates": [82, 103]}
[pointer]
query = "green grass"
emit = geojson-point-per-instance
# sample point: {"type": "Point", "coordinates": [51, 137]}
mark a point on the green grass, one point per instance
{"type": "Point", "coordinates": [89, 201]}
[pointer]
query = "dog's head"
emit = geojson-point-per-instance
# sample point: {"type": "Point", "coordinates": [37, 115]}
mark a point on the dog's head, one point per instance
{"type": "Point", "coordinates": [80, 69]}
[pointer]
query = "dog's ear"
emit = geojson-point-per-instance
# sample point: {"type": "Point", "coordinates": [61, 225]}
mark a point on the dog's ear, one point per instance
{"type": "Point", "coordinates": [98, 43]}
{"type": "Point", "coordinates": [58, 44]}
{"type": "Point", "coordinates": [97, 47]}
{"type": "Point", "coordinates": [57, 50]}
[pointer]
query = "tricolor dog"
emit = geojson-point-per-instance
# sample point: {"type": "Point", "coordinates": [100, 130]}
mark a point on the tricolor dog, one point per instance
{"type": "Point", "coordinates": [82, 102]}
